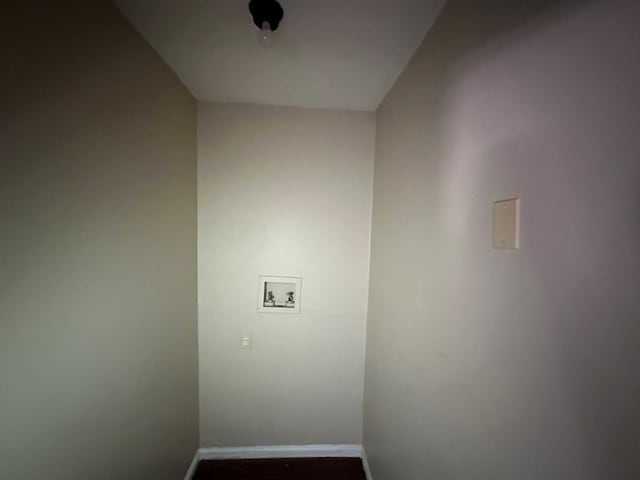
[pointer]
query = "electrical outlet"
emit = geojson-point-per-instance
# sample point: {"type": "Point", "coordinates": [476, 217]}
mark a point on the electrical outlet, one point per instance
{"type": "Point", "coordinates": [245, 341]}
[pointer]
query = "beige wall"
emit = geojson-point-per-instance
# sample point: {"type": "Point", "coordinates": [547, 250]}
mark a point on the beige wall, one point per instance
{"type": "Point", "coordinates": [282, 191]}
{"type": "Point", "coordinates": [98, 355]}
{"type": "Point", "coordinates": [492, 364]}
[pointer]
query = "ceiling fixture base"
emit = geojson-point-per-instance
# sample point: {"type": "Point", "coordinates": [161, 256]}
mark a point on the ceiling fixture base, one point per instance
{"type": "Point", "coordinates": [268, 11]}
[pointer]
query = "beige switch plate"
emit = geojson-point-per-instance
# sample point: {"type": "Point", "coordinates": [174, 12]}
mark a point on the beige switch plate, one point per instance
{"type": "Point", "coordinates": [506, 222]}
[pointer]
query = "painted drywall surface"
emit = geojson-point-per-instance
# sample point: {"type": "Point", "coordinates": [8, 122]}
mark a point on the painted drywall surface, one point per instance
{"type": "Point", "coordinates": [98, 354]}
{"type": "Point", "coordinates": [494, 364]}
{"type": "Point", "coordinates": [282, 191]}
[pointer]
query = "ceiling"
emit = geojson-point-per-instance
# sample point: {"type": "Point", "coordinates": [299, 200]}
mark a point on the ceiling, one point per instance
{"type": "Point", "coordinates": [327, 53]}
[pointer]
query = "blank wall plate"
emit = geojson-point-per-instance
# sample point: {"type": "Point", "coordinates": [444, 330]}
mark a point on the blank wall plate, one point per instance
{"type": "Point", "coordinates": [506, 223]}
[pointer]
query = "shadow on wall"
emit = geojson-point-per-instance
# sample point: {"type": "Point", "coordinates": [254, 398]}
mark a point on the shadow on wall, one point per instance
{"type": "Point", "coordinates": [483, 22]}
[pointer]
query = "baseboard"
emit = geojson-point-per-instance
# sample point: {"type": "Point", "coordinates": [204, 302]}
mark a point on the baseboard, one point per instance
{"type": "Point", "coordinates": [285, 451]}
{"type": "Point", "coordinates": [277, 451]}
{"type": "Point", "coordinates": [193, 466]}
{"type": "Point", "coordinates": [365, 465]}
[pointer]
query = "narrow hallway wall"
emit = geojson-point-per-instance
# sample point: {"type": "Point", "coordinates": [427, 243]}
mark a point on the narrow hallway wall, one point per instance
{"type": "Point", "coordinates": [493, 364]}
{"type": "Point", "coordinates": [98, 349]}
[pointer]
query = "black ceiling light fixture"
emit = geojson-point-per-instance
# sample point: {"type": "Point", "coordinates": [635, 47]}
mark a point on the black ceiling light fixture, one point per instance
{"type": "Point", "coordinates": [267, 15]}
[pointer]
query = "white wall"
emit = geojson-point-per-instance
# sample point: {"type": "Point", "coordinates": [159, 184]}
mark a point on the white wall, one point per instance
{"type": "Point", "coordinates": [283, 191]}
{"type": "Point", "coordinates": [491, 364]}
{"type": "Point", "coordinates": [98, 351]}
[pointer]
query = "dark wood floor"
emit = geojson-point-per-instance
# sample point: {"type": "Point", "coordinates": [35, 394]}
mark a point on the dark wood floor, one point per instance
{"type": "Point", "coordinates": [281, 468]}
